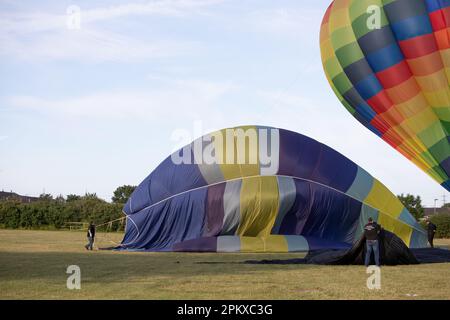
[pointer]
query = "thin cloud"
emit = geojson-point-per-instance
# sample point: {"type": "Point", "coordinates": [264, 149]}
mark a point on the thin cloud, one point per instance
{"type": "Point", "coordinates": [187, 97]}
{"type": "Point", "coordinates": [284, 21]}
{"type": "Point", "coordinates": [178, 8]}
{"type": "Point", "coordinates": [34, 22]}
{"type": "Point", "coordinates": [38, 35]}
{"type": "Point", "coordinates": [91, 45]}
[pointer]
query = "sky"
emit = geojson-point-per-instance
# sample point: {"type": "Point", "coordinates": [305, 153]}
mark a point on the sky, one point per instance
{"type": "Point", "coordinates": [91, 92]}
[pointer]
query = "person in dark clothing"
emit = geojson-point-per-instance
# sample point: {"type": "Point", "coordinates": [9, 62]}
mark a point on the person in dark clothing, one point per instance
{"type": "Point", "coordinates": [371, 231]}
{"type": "Point", "coordinates": [90, 236]}
{"type": "Point", "coordinates": [431, 227]}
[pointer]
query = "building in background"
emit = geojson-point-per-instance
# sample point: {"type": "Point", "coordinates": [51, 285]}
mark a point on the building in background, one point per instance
{"type": "Point", "coordinates": [14, 196]}
{"type": "Point", "coordinates": [433, 211]}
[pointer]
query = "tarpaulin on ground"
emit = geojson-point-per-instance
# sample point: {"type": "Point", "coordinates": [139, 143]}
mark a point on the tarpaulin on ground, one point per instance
{"type": "Point", "coordinates": [393, 251]}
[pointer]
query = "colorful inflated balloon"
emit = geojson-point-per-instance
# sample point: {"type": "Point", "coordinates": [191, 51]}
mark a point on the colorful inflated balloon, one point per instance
{"type": "Point", "coordinates": [388, 61]}
{"type": "Point", "coordinates": [296, 195]}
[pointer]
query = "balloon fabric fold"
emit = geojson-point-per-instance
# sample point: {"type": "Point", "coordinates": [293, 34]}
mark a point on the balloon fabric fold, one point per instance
{"type": "Point", "coordinates": [271, 191]}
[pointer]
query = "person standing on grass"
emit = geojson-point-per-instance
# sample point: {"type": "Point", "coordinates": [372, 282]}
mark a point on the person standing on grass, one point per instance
{"type": "Point", "coordinates": [371, 231]}
{"type": "Point", "coordinates": [431, 227]}
{"type": "Point", "coordinates": [90, 236]}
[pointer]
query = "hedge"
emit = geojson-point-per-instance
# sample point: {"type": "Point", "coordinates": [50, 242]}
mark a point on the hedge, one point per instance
{"type": "Point", "coordinates": [442, 222]}
{"type": "Point", "coordinates": [53, 214]}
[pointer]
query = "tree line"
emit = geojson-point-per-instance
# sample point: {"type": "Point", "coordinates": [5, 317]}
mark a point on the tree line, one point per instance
{"type": "Point", "coordinates": [48, 212]}
{"type": "Point", "coordinates": [441, 220]}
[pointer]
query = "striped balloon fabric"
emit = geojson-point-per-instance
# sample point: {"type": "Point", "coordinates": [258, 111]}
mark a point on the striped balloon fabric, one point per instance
{"type": "Point", "coordinates": [388, 62]}
{"type": "Point", "coordinates": [260, 189]}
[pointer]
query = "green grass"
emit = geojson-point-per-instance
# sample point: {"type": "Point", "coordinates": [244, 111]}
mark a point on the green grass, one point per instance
{"type": "Point", "coordinates": [33, 266]}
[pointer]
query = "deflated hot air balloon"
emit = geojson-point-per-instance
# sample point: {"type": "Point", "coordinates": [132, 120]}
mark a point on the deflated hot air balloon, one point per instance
{"type": "Point", "coordinates": [260, 189]}
{"type": "Point", "coordinates": [388, 61]}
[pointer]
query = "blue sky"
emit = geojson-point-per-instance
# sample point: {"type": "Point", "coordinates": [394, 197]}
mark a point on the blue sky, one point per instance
{"type": "Point", "coordinates": [92, 108]}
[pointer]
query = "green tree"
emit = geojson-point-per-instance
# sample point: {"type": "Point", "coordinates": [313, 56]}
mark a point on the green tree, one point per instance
{"type": "Point", "coordinates": [72, 197]}
{"type": "Point", "coordinates": [413, 204]}
{"type": "Point", "coordinates": [442, 222]}
{"type": "Point", "coordinates": [60, 199]}
{"type": "Point", "coordinates": [45, 214]}
{"type": "Point", "coordinates": [45, 197]}
{"type": "Point", "coordinates": [122, 194]}
{"type": "Point", "coordinates": [90, 196]}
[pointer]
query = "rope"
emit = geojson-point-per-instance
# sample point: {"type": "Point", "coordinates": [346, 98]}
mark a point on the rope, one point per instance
{"type": "Point", "coordinates": [109, 223]}
{"type": "Point", "coordinates": [107, 239]}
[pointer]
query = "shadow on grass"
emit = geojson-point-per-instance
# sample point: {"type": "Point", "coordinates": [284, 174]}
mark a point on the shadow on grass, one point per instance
{"type": "Point", "coordinates": [112, 267]}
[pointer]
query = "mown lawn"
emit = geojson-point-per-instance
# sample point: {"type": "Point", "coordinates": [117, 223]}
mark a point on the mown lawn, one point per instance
{"type": "Point", "coordinates": [33, 266]}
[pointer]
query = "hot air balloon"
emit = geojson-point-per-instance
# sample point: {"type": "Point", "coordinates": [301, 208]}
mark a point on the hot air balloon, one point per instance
{"type": "Point", "coordinates": [259, 189]}
{"type": "Point", "coordinates": [388, 62]}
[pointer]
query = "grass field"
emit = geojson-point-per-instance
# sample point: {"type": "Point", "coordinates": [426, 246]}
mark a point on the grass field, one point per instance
{"type": "Point", "coordinates": [33, 266]}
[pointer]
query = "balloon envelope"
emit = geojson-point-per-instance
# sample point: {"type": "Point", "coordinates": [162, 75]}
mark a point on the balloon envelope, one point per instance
{"type": "Point", "coordinates": [273, 191]}
{"type": "Point", "coordinates": [388, 61]}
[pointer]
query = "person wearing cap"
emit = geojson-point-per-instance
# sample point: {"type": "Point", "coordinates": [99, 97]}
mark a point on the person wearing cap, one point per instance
{"type": "Point", "coordinates": [371, 231]}
{"type": "Point", "coordinates": [431, 228]}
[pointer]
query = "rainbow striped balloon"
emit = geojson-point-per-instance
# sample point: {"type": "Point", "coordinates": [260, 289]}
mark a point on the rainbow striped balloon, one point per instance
{"type": "Point", "coordinates": [388, 61]}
